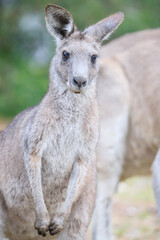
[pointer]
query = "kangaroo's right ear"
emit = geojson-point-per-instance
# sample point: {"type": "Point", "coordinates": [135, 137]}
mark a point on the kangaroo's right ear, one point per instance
{"type": "Point", "coordinates": [59, 21]}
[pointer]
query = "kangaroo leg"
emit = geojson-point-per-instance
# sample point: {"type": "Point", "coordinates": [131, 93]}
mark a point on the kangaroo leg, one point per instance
{"type": "Point", "coordinates": [110, 153]}
{"type": "Point", "coordinates": [156, 180]}
{"type": "Point", "coordinates": [106, 187]}
{"type": "Point", "coordinates": [79, 219]}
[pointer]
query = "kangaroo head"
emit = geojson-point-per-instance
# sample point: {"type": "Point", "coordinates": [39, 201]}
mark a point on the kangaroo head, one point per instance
{"type": "Point", "coordinates": [75, 63]}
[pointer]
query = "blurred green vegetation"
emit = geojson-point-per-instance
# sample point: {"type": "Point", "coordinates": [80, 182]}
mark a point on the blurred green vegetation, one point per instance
{"type": "Point", "coordinates": [26, 48]}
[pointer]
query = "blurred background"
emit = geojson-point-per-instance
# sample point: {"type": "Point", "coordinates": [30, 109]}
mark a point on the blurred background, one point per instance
{"type": "Point", "coordinates": [26, 47]}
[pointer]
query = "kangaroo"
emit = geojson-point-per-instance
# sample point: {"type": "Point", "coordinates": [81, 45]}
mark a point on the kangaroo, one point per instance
{"type": "Point", "coordinates": [129, 100]}
{"type": "Point", "coordinates": [47, 153]}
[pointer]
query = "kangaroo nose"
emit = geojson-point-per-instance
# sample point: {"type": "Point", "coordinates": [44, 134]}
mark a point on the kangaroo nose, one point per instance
{"type": "Point", "coordinates": [79, 82]}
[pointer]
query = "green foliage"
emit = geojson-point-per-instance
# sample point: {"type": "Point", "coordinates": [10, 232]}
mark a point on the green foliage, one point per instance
{"type": "Point", "coordinates": [22, 86]}
{"type": "Point", "coordinates": [24, 77]}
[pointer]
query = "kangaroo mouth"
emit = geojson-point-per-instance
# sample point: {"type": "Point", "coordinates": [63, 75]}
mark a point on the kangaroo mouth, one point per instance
{"type": "Point", "coordinates": [76, 91]}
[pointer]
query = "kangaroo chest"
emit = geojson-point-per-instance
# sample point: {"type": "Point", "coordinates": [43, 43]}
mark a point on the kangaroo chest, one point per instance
{"type": "Point", "coordinates": [61, 149]}
{"type": "Point", "coordinates": [66, 142]}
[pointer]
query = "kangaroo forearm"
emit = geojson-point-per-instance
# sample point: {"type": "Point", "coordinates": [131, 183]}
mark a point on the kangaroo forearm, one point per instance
{"type": "Point", "coordinates": [33, 166]}
{"type": "Point", "coordinates": [76, 182]}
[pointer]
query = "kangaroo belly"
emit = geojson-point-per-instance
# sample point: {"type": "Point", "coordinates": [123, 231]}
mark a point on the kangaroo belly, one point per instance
{"type": "Point", "coordinates": [57, 161]}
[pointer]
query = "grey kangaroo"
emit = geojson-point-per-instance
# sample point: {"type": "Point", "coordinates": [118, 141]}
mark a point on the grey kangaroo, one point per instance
{"type": "Point", "coordinates": [47, 153]}
{"type": "Point", "coordinates": [129, 100]}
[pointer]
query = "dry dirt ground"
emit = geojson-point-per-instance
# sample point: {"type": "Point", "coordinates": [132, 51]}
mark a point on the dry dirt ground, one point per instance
{"type": "Point", "coordinates": [134, 211]}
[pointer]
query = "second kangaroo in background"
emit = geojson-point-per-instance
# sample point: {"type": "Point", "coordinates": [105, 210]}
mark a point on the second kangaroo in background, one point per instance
{"type": "Point", "coordinates": [47, 153]}
{"type": "Point", "coordinates": [129, 100]}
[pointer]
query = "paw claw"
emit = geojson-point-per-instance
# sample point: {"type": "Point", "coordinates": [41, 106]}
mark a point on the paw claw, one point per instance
{"type": "Point", "coordinates": [41, 232]}
{"type": "Point", "coordinates": [54, 232]}
{"type": "Point", "coordinates": [54, 228]}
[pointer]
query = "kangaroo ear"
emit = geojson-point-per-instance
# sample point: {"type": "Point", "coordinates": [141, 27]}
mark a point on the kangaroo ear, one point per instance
{"type": "Point", "coordinates": [59, 21]}
{"type": "Point", "coordinates": [104, 28]}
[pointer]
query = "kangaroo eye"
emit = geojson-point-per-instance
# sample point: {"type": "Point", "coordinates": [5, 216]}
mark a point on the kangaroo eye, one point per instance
{"type": "Point", "coordinates": [65, 56]}
{"type": "Point", "coordinates": [94, 58]}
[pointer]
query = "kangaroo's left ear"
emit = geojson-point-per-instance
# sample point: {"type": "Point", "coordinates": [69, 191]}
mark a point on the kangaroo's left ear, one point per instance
{"type": "Point", "coordinates": [104, 28]}
{"type": "Point", "coordinates": [59, 21]}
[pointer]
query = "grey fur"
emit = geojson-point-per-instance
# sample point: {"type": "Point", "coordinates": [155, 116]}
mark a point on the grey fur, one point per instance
{"type": "Point", "coordinates": [47, 153]}
{"type": "Point", "coordinates": [129, 100]}
{"type": "Point", "coordinates": [156, 180]}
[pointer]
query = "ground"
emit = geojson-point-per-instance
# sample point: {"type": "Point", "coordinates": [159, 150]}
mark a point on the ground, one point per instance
{"type": "Point", "coordinates": [135, 214]}
{"type": "Point", "coordinates": [134, 211]}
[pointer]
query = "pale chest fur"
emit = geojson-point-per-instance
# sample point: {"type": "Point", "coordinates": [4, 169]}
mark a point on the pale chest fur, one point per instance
{"type": "Point", "coordinates": [68, 140]}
